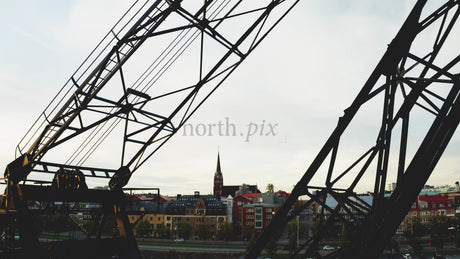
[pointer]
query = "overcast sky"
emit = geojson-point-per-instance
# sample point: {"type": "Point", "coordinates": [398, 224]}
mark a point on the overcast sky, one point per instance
{"type": "Point", "coordinates": [295, 86]}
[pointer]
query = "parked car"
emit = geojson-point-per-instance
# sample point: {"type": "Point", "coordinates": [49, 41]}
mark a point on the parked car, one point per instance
{"type": "Point", "coordinates": [439, 256]}
{"type": "Point", "coordinates": [407, 256]}
{"type": "Point", "coordinates": [179, 240]}
{"type": "Point", "coordinates": [328, 248]}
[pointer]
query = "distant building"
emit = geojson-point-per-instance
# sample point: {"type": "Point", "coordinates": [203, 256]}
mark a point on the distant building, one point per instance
{"type": "Point", "coordinates": [364, 201]}
{"type": "Point", "coordinates": [260, 212]}
{"type": "Point", "coordinates": [228, 202]}
{"type": "Point", "coordinates": [140, 207]}
{"type": "Point", "coordinates": [221, 190]}
{"type": "Point", "coordinates": [196, 210]}
{"type": "Point", "coordinates": [454, 196]}
{"type": "Point", "coordinates": [391, 187]}
{"type": "Point", "coordinates": [427, 206]}
{"type": "Point", "coordinates": [218, 179]}
{"type": "Point", "coordinates": [238, 203]}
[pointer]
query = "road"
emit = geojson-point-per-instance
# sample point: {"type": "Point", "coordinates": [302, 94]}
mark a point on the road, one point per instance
{"type": "Point", "coordinates": [167, 247]}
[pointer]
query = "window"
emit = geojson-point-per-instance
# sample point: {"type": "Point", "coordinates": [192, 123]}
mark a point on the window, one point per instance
{"type": "Point", "coordinates": [269, 210]}
{"type": "Point", "coordinates": [441, 205]}
{"type": "Point", "coordinates": [259, 219]}
{"type": "Point", "coordinates": [168, 218]}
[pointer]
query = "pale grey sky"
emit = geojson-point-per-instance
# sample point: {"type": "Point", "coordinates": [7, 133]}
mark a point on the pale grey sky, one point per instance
{"type": "Point", "coordinates": [300, 79]}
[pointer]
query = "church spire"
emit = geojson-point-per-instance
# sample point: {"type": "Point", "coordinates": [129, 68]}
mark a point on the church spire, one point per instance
{"type": "Point", "coordinates": [218, 179]}
{"type": "Point", "coordinates": [218, 171]}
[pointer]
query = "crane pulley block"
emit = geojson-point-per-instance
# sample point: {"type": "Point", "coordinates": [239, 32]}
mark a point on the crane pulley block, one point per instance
{"type": "Point", "coordinates": [19, 168]}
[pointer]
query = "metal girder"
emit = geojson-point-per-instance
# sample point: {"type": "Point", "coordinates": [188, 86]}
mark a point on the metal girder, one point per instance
{"type": "Point", "coordinates": [144, 112]}
{"type": "Point", "coordinates": [417, 76]}
{"type": "Point", "coordinates": [94, 106]}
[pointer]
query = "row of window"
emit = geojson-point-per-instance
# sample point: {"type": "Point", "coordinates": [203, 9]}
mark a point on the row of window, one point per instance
{"type": "Point", "coordinates": [425, 205]}
{"type": "Point", "coordinates": [149, 219]}
{"type": "Point", "coordinates": [251, 210]}
{"type": "Point", "coordinates": [428, 213]}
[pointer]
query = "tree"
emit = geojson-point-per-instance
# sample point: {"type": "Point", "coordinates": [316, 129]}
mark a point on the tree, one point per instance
{"type": "Point", "coordinates": [248, 231]}
{"type": "Point", "coordinates": [204, 231]}
{"type": "Point", "coordinates": [292, 234]}
{"type": "Point", "coordinates": [346, 233]}
{"type": "Point", "coordinates": [270, 188]}
{"type": "Point", "coordinates": [144, 228]}
{"type": "Point", "coordinates": [163, 231]}
{"type": "Point", "coordinates": [271, 246]}
{"type": "Point", "coordinates": [184, 230]}
{"type": "Point", "coordinates": [252, 241]}
{"type": "Point", "coordinates": [226, 231]}
{"type": "Point", "coordinates": [439, 225]}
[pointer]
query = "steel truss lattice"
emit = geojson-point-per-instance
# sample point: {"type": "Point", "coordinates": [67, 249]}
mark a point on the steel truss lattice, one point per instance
{"type": "Point", "coordinates": [106, 101]}
{"type": "Point", "coordinates": [417, 78]}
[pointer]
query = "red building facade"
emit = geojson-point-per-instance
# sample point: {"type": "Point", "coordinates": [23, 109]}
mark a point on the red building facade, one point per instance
{"type": "Point", "coordinates": [427, 206]}
{"type": "Point", "coordinates": [257, 216]}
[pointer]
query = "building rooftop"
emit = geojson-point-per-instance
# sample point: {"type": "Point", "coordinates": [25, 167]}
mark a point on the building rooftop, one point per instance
{"type": "Point", "coordinates": [213, 205]}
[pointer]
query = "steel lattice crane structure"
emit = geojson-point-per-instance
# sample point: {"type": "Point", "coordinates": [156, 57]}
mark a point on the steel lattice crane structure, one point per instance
{"type": "Point", "coordinates": [416, 74]}
{"type": "Point", "coordinates": [101, 100]}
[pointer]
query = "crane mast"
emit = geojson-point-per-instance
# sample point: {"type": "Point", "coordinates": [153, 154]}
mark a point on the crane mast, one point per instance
{"type": "Point", "coordinates": [103, 98]}
{"type": "Point", "coordinates": [417, 74]}
{"type": "Point", "coordinates": [103, 103]}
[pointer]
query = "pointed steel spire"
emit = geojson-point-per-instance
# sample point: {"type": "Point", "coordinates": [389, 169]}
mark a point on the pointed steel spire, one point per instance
{"type": "Point", "coordinates": [218, 171]}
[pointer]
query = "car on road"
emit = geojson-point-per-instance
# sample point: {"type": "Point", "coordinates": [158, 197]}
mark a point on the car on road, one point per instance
{"type": "Point", "coordinates": [328, 248]}
{"type": "Point", "coordinates": [179, 240]}
{"type": "Point", "coordinates": [407, 256]}
{"type": "Point", "coordinates": [439, 256]}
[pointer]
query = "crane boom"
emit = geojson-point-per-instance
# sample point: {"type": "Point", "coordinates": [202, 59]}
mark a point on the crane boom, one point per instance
{"type": "Point", "coordinates": [150, 111]}
{"type": "Point", "coordinates": [139, 112]}
{"type": "Point", "coordinates": [412, 77]}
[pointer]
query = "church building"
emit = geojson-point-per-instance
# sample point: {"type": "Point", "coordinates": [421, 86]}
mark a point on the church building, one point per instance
{"type": "Point", "coordinates": [218, 179]}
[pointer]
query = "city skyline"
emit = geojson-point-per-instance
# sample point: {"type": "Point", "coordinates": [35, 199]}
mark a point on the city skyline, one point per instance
{"type": "Point", "coordinates": [268, 120]}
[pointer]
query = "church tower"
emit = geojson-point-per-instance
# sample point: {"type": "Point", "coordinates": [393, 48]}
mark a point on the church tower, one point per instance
{"type": "Point", "coordinates": [218, 179]}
